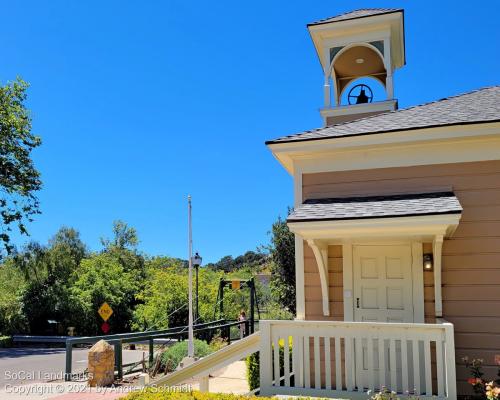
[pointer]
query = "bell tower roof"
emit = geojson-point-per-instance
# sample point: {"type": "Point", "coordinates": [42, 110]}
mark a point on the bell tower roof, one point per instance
{"type": "Point", "coordinates": [348, 24]}
{"type": "Point", "coordinates": [365, 43]}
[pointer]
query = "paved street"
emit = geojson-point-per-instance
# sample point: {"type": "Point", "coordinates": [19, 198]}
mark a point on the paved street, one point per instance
{"type": "Point", "coordinates": [20, 366]}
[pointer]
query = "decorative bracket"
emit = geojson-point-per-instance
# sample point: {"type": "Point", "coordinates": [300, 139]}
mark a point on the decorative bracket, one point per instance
{"type": "Point", "coordinates": [320, 251]}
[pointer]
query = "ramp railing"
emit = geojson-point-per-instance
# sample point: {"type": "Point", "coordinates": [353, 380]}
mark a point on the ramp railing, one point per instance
{"type": "Point", "coordinates": [117, 340]}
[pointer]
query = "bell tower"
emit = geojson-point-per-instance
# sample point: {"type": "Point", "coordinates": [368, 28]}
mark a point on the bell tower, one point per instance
{"type": "Point", "coordinates": [366, 43]}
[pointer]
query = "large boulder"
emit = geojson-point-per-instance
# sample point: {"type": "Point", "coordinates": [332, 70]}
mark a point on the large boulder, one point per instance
{"type": "Point", "coordinates": [101, 364]}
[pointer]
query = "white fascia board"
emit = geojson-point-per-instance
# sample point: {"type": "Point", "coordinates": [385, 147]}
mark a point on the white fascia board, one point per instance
{"type": "Point", "coordinates": [424, 227]}
{"type": "Point", "coordinates": [459, 143]}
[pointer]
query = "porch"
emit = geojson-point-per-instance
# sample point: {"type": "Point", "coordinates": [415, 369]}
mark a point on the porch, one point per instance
{"type": "Point", "coordinates": [347, 359]}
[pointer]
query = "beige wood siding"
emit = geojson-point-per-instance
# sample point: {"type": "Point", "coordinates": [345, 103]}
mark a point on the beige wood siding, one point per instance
{"type": "Point", "coordinates": [471, 258]}
{"type": "Point", "coordinates": [312, 290]}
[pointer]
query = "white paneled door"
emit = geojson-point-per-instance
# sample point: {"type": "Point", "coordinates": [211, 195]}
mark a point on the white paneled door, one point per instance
{"type": "Point", "coordinates": [382, 293]}
{"type": "Point", "coordinates": [382, 283]}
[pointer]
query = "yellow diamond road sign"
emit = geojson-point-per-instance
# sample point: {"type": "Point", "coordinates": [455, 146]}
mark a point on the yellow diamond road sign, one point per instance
{"type": "Point", "coordinates": [105, 311]}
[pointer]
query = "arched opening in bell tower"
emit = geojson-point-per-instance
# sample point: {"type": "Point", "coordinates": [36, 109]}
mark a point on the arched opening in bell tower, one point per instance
{"type": "Point", "coordinates": [352, 63]}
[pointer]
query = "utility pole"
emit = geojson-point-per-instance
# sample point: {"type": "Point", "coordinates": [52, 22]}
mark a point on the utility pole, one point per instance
{"type": "Point", "coordinates": [190, 284]}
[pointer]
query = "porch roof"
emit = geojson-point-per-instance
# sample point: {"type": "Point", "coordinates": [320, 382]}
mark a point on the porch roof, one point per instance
{"type": "Point", "coordinates": [405, 205]}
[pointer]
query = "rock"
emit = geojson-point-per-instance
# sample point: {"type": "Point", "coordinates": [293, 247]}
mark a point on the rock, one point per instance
{"type": "Point", "coordinates": [101, 364]}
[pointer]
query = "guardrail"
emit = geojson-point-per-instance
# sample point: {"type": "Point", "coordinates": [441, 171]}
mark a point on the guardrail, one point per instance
{"type": "Point", "coordinates": [39, 339]}
{"type": "Point", "coordinates": [119, 339]}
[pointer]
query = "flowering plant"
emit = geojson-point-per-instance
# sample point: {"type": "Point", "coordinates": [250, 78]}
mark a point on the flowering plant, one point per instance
{"type": "Point", "coordinates": [386, 394]}
{"type": "Point", "coordinates": [486, 389]}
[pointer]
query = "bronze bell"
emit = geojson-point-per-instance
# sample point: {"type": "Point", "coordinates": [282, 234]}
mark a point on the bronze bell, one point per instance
{"type": "Point", "coordinates": [362, 98]}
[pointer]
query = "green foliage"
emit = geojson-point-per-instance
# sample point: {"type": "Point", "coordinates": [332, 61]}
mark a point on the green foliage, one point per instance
{"type": "Point", "coordinates": [253, 370]}
{"type": "Point", "coordinates": [217, 343]}
{"type": "Point", "coordinates": [19, 179]}
{"type": "Point", "coordinates": [282, 251]}
{"type": "Point", "coordinates": [124, 237]}
{"type": "Point", "coordinates": [173, 356]}
{"type": "Point", "coordinates": [61, 281]}
{"type": "Point", "coordinates": [5, 341]}
{"type": "Point", "coordinates": [103, 278]}
{"type": "Point", "coordinates": [163, 300]}
{"type": "Point", "coordinates": [159, 394]}
{"type": "Point", "coordinates": [250, 259]}
{"type": "Point", "coordinates": [253, 366]}
{"type": "Point", "coordinates": [12, 319]}
{"type": "Point", "coordinates": [48, 273]}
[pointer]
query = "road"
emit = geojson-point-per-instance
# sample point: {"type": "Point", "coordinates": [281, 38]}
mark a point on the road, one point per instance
{"type": "Point", "coordinates": [24, 365]}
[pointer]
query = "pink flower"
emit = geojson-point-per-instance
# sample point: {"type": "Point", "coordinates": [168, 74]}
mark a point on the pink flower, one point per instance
{"type": "Point", "coordinates": [474, 381]}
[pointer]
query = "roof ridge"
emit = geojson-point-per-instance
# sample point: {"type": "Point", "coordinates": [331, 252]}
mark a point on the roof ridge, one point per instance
{"type": "Point", "coordinates": [352, 12]}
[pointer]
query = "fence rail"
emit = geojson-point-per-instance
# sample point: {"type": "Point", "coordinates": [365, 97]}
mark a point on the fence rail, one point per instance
{"type": "Point", "coordinates": [118, 340]}
{"type": "Point", "coordinates": [340, 359]}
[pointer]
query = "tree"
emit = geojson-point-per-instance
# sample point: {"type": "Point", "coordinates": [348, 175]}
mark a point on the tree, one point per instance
{"type": "Point", "coordinates": [125, 237]}
{"type": "Point", "coordinates": [102, 278]}
{"type": "Point", "coordinates": [282, 249]}
{"type": "Point", "coordinates": [49, 272]}
{"type": "Point", "coordinates": [11, 303]}
{"type": "Point", "coordinates": [19, 179]}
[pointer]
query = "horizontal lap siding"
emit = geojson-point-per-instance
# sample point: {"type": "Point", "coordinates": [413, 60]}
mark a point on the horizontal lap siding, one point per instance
{"type": "Point", "coordinates": [313, 296]}
{"type": "Point", "coordinates": [471, 258]}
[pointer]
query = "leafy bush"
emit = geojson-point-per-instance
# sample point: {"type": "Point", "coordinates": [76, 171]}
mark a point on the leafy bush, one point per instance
{"type": "Point", "coordinates": [253, 378]}
{"type": "Point", "coordinates": [5, 341]}
{"type": "Point", "coordinates": [173, 356]}
{"type": "Point", "coordinates": [253, 366]}
{"type": "Point", "coordinates": [171, 395]}
{"type": "Point", "coordinates": [217, 343]}
{"type": "Point", "coordinates": [485, 388]}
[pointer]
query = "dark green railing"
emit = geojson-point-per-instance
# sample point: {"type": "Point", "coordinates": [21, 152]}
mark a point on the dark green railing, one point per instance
{"type": "Point", "coordinates": [119, 339]}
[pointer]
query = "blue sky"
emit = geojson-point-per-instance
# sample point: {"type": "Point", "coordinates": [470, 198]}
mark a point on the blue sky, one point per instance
{"type": "Point", "coordinates": [140, 103]}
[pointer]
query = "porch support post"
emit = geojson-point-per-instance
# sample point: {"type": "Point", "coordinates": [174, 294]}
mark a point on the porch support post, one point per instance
{"type": "Point", "coordinates": [320, 251]}
{"type": "Point", "coordinates": [437, 247]}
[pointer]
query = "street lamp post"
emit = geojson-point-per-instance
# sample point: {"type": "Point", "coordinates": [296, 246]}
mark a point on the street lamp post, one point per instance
{"type": "Point", "coordinates": [190, 354]}
{"type": "Point", "coordinates": [196, 263]}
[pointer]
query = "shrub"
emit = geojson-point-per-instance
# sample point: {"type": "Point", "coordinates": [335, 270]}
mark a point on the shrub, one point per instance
{"type": "Point", "coordinates": [253, 366]}
{"type": "Point", "coordinates": [253, 379]}
{"type": "Point", "coordinates": [5, 341]}
{"type": "Point", "coordinates": [217, 343]}
{"type": "Point", "coordinates": [484, 388]}
{"type": "Point", "coordinates": [171, 395]}
{"type": "Point", "coordinates": [173, 356]}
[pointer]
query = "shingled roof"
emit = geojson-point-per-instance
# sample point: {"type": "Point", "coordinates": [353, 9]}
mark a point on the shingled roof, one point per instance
{"type": "Point", "coordinates": [478, 106]}
{"type": "Point", "coordinates": [376, 207]}
{"type": "Point", "coordinates": [361, 13]}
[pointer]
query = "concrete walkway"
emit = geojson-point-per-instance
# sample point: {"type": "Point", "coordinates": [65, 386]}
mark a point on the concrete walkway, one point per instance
{"type": "Point", "coordinates": [231, 379]}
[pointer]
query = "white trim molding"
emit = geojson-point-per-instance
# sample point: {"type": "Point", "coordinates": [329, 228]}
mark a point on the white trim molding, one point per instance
{"type": "Point", "coordinates": [378, 106]}
{"type": "Point", "coordinates": [417, 273]}
{"type": "Point", "coordinates": [437, 246]}
{"type": "Point", "coordinates": [320, 250]}
{"type": "Point", "coordinates": [423, 228]}
{"type": "Point", "coordinates": [300, 297]}
{"type": "Point", "coordinates": [426, 146]}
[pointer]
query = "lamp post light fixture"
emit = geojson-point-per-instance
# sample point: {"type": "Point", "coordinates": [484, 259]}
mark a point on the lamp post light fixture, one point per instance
{"type": "Point", "coordinates": [190, 356]}
{"type": "Point", "coordinates": [196, 262]}
{"type": "Point", "coordinates": [428, 262]}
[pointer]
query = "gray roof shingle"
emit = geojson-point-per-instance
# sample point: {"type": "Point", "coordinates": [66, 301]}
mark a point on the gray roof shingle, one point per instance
{"type": "Point", "coordinates": [361, 13]}
{"type": "Point", "coordinates": [478, 106]}
{"type": "Point", "coordinates": [376, 207]}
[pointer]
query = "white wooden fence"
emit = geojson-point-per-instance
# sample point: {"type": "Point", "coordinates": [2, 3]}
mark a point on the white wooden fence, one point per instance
{"type": "Point", "coordinates": [346, 359]}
